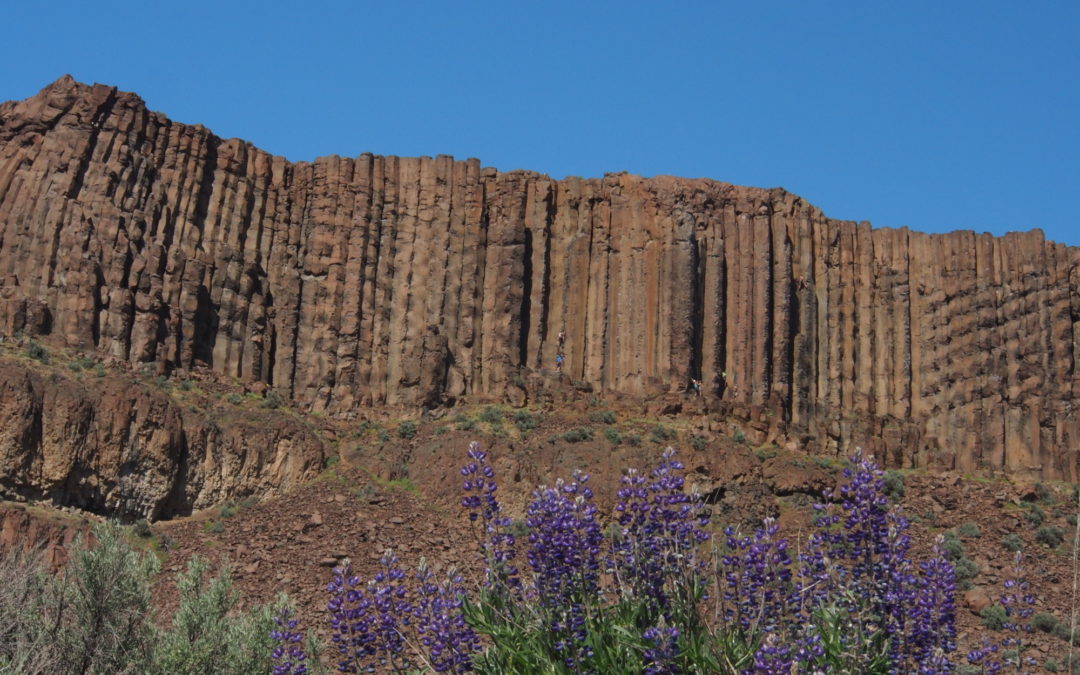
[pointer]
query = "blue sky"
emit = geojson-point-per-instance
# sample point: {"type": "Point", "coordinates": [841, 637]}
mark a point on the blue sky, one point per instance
{"type": "Point", "coordinates": [934, 115]}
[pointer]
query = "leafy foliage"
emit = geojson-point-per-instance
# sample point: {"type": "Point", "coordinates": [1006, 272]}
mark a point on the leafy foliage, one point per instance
{"type": "Point", "coordinates": [851, 601]}
{"type": "Point", "coordinates": [206, 635]}
{"type": "Point", "coordinates": [93, 616]}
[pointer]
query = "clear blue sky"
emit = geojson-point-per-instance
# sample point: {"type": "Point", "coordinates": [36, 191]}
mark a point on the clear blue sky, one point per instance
{"type": "Point", "coordinates": [935, 115]}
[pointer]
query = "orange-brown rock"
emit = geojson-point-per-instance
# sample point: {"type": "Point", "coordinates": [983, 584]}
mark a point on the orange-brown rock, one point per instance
{"type": "Point", "coordinates": [390, 281]}
{"type": "Point", "coordinates": [117, 447]}
{"type": "Point", "coordinates": [49, 534]}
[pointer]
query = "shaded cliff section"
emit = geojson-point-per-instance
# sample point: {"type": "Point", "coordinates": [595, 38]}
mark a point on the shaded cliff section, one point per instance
{"type": "Point", "coordinates": [347, 283]}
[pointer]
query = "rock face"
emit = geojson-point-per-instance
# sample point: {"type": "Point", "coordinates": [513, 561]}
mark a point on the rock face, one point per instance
{"type": "Point", "coordinates": [390, 281]}
{"type": "Point", "coordinates": [113, 446]}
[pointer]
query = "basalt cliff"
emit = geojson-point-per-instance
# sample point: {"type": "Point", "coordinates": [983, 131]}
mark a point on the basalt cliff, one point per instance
{"type": "Point", "coordinates": [345, 284]}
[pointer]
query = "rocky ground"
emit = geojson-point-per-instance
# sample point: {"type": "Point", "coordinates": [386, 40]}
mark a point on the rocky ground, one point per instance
{"type": "Point", "coordinates": [395, 485]}
{"type": "Point", "coordinates": [390, 480]}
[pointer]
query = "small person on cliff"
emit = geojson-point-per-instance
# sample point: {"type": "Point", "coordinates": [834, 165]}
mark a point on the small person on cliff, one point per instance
{"type": "Point", "coordinates": [562, 338]}
{"type": "Point", "coordinates": [558, 363]}
{"type": "Point", "coordinates": [695, 385]}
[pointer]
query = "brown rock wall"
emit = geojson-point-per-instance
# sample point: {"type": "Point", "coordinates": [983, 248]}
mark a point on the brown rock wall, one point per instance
{"type": "Point", "coordinates": [346, 283]}
{"type": "Point", "coordinates": [116, 447]}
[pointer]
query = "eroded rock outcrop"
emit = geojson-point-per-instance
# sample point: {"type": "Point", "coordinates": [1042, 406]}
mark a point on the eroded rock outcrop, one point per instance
{"type": "Point", "coordinates": [115, 446]}
{"type": "Point", "coordinates": [390, 281]}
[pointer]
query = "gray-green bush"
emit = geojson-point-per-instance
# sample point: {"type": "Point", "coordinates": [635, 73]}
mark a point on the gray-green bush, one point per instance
{"type": "Point", "coordinates": [207, 635]}
{"type": "Point", "coordinates": [968, 531]}
{"type": "Point", "coordinates": [994, 617]}
{"type": "Point", "coordinates": [407, 429]}
{"type": "Point", "coordinates": [94, 616]}
{"type": "Point", "coordinates": [602, 417]}
{"type": "Point", "coordinates": [894, 485]}
{"type": "Point", "coordinates": [1050, 535]}
{"type": "Point", "coordinates": [577, 435]}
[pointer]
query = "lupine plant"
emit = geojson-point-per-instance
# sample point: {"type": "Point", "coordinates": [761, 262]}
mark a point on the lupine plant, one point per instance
{"type": "Point", "coordinates": [289, 656]}
{"type": "Point", "coordinates": [644, 599]}
{"type": "Point", "coordinates": [371, 623]}
{"type": "Point", "coordinates": [627, 606]}
{"type": "Point", "coordinates": [1018, 602]}
{"type": "Point", "coordinates": [851, 600]}
{"type": "Point", "coordinates": [448, 643]}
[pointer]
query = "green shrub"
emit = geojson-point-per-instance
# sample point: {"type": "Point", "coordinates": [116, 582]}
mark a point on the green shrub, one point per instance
{"type": "Point", "coordinates": [1012, 543]}
{"type": "Point", "coordinates": [141, 529]}
{"type": "Point", "coordinates": [463, 423]}
{"type": "Point", "coordinates": [698, 443]}
{"type": "Point", "coordinates": [214, 526]}
{"type": "Point", "coordinates": [1044, 622]}
{"type": "Point", "coordinates": [162, 382]}
{"type": "Point", "coordinates": [612, 435]}
{"type": "Point", "coordinates": [226, 511]}
{"type": "Point", "coordinates": [994, 617]}
{"type": "Point", "coordinates": [1051, 665]}
{"type": "Point", "coordinates": [91, 618]}
{"type": "Point", "coordinates": [577, 435]}
{"type": "Point", "coordinates": [968, 531]}
{"type": "Point", "coordinates": [37, 352]}
{"type": "Point", "coordinates": [491, 415]}
{"type": "Point", "coordinates": [234, 398]}
{"type": "Point", "coordinates": [965, 570]}
{"type": "Point", "coordinates": [331, 461]}
{"type": "Point", "coordinates": [99, 370]}
{"type": "Point", "coordinates": [1043, 494]}
{"type": "Point", "coordinates": [1064, 631]}
{"type": "Point", "coordinates": [1050, 535]}
{"type": "Point", "coordinates": [738, 436]}
{"type": "Point", "coordinates": [272, 400]}
{"type": "Point", "coordinates": [407, 429]}
{"type": "Point", "coordinates": [894, 485]}
{"type": "Point", "coordinates": [661, 434]}
{"type": "Point", "coordinates": [952, 547]}
{"type": "Point", "coordinates": [1035, 516]}
{"type": "Point", "coordinates": [525, 421]}
{"type": "Point", "coordinates": [633, 440]}
{"type": "Point", "coordinates": [1071, 519]}
{"type": "Point", "coordinates": [384, 435]}
{"type": "Point", "coordinates": [602, 417]}
{"type": "Point", "coordinates": [207, 635]}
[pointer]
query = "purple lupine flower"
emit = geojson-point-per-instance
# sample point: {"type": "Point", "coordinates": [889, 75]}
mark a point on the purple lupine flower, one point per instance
{"type": "Point", "coordinates": [859, 562]}
{"type": "Point", "coordinates": [497, 544]}
{"type": "Point", "coordinates": [985, 657]}
{"type": "Point", "coordinates": [564, 554]}
{"type": "Point", "coordinates": [773, 657]}
{"type": "Point", "coordinates": [758, 579]}
{"type": "Point", "coordinates": [661, 529]}
{"type": "Point", "coordinates": [1019, 604]}
{"type": "Point", "coordinates": [390, 605]}
{"type": "Point", "coordinates": [367, 621]}
{"type": "Point", "coordinates": [288, 654]}
{"type": "Point", "coordinates": [351, 620]}
{"type": "Point", "coordinates": [933, 616]}
{"type": "Point", "coordinates": [448, 641]}
{"type": "Point", "coordinates": [661, 654]}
